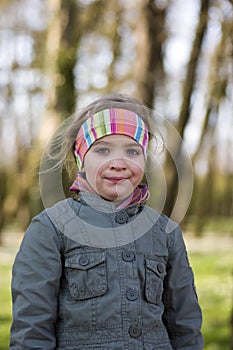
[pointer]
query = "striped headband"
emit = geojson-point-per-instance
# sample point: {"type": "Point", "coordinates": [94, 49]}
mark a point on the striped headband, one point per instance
{"type": "Point", "coordinates": [108, 122]}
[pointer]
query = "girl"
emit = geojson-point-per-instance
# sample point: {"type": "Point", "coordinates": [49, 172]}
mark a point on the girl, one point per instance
{"type": "Point", "coordinates": [100, 271]}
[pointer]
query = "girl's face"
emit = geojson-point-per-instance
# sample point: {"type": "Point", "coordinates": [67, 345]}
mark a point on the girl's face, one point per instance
{"type": "Point", "coordinates": [114, 167]}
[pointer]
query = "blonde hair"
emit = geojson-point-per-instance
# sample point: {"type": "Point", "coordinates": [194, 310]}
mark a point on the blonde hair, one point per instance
{"type": "Point", "coordinates": [61, 149]}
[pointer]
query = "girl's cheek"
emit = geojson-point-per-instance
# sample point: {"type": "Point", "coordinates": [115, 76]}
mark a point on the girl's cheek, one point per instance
{"type": "Point", "coordinates": [139, 167]}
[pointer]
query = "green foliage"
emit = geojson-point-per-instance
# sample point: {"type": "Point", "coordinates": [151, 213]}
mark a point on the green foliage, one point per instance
{"type": "Point", "coordinates": [213, 276]}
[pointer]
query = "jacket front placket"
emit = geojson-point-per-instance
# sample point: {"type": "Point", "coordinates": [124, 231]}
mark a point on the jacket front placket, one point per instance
{"type": "Point", "coordinates": [129, 288]}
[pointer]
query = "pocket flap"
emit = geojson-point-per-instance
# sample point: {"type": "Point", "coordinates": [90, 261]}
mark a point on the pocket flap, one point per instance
{"type": "Point", "coordinates": [84, 261]}
{"type": "Point", "coordinates": [157, 266]}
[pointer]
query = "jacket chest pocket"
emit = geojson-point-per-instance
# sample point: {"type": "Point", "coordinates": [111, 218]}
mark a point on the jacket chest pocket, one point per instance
{"type": "Point", "coordinates": [86, 274]}
{"type": "Point", "coordinates": [155, 274]}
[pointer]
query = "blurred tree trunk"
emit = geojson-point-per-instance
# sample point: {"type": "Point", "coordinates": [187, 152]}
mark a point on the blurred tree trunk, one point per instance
{"type": "Point", "coordinates": [3, 194]}
{"type": "Point", "coordinates": [23, 199]}
{"type": "Point", "coordinates": [205, 202]}
{"type": "Point", "coordinates": [26, 177]}
{"type": "Point", "coordinates": [29, 159]}
{"type": "Point", "coordinates": [116, 43]}
{"type": "Point", "coordinates": [184, 115]}
{"type": "Point", "coordinates": [69, 25]}
{"type": "Point", "coordinates": [218, 81]}
{"type": "Point", "coordinates": [67, 56]}
{"type": "Point", "coordinates": [151, 35]}
{"type": "Point", "coordinates": [49, 57]}
{"type": "Point", "coordinates": [59, 63]}
{"type": "Point", "coordinates": [75, 23]}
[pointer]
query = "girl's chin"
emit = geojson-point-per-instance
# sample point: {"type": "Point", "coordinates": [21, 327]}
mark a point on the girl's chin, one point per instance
{"type": "Point", "coordinates": [116, 193]}
{"type": "Point", "coordinates": [114, 198]}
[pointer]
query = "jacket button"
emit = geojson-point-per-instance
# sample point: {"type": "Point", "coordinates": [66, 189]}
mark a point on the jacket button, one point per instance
{"type": "Point", "coordinates": [121, 218]}
{"type": "Point", "coordinates": [131, 294]}
{"type": "Point", "coordinates": [83, 261]}
{"type": "Point", "coordinates": [128, 255]}
{"type": "Point", "coordinates": [74, 290]}
{"type": "Point", "coordinates": [134, 331]}
{"type": "Point", "coordinates": [160, 268]}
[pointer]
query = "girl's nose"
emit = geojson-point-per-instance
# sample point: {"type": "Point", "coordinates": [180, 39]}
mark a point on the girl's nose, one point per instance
{"type": "Point", "coordinates": [117, 164]}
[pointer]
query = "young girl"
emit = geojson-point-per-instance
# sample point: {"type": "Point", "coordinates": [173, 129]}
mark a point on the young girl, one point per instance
{"type": "Point", "coordinates": [101, 271]}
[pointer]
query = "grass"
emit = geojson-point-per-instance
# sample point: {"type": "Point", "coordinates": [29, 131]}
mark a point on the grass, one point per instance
{"type": "Point", "coordinates": [5, 298]}
{"type": "Point", "coordinates": [213, 275]}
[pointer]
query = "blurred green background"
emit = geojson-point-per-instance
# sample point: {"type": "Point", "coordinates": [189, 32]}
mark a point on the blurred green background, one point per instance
{"type": "Point", "coordinates": [174, 55]}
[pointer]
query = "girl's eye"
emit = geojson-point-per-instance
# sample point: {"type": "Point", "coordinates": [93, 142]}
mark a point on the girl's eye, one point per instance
{"type": "Point", "coordinates": [102, 150]}
{"type": "Point", "coordinates": [133, 152]}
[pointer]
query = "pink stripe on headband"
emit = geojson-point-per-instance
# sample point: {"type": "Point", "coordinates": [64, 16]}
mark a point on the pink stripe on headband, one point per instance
{"type": "Point", "coordinates": [108, 122]}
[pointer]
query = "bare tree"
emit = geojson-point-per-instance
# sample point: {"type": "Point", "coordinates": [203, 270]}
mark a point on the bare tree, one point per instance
{"type": "Point", "coordinates": [184, 115]}
{"type": "Point", "coordinates": [151, 36]}
{"type": "Point", "coordinates": [218, 78]}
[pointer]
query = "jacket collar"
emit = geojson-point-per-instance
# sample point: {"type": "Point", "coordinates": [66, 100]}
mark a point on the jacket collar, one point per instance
{"type": "Point", "coordinates": [101, 204]}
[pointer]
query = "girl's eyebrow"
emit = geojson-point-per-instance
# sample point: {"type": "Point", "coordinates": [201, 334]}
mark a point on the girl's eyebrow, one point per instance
{"type": "Point", "coordinates": [108, 143]}
{"type": "Point", "coordinates": [133, 144]}
{"type": "Point", "coordinates": [104, 143]}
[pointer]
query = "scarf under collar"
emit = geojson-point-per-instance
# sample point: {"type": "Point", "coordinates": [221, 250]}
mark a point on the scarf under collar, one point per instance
{"type": "Point", "coordinates": [139, 195]}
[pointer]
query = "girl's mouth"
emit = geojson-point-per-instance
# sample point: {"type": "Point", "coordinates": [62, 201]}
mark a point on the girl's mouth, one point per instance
{"type": "Point", "coordinates": [115, 179]}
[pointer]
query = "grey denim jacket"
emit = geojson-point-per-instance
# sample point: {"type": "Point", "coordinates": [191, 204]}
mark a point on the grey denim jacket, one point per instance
{"type": "Point", "coordinates": [130, 287]}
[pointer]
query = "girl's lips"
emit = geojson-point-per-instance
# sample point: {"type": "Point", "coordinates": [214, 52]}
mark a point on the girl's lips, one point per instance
{"type": "Point", "coordinates": [115, 179]}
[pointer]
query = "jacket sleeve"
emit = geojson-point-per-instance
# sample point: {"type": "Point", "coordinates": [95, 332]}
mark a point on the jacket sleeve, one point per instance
{"type": "Point", "coordinates": [35, 286]}
{"type": "Point", "coordinates": [182, 315]}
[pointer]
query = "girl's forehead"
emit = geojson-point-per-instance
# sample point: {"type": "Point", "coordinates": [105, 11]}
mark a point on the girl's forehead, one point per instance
{"type": "Point", "coordinates": [117, 138]}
